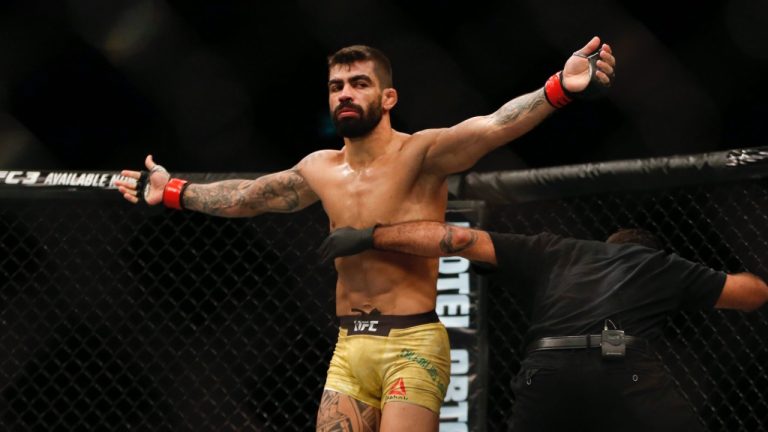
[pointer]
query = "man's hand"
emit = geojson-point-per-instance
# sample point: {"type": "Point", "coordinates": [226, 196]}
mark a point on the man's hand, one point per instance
{"type": "Point", "coordinates": [580, 69]}
{"type": "Point", "coordinates": [152, 192]}
{"type": "Point", "coordinates": [346, 241]}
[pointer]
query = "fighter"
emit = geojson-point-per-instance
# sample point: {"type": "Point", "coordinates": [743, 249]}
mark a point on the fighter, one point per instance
{"type": "Point", "coordinates": [385, 301]}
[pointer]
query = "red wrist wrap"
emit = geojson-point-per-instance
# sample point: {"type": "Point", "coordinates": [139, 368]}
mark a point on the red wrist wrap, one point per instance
{"type": "Point", "coordinates": [554, 91]}
{"type": "Point", "coordinates": [172, 193]}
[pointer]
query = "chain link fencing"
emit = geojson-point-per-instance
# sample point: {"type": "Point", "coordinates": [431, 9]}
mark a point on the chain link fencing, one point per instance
{"type": "Point", "coordinates": [118, 318]}
{"type": "Point", "coordinates": [128, 318]}
{"type": "Point", "coordinates": [719, 359]}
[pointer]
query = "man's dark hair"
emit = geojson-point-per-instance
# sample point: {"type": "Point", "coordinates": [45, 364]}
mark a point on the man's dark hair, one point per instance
{"type": "Point", "coordinates": [635, 235]}
{"type": "Point", "coordinates": [356, 53]}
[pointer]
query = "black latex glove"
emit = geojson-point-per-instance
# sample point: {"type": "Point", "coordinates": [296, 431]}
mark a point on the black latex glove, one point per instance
{"type": "Point", "coordinates": [345, 241]}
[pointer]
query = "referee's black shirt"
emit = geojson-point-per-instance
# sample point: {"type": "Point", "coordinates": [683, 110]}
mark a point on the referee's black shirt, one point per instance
{"type": "Point", "coordinates": [570, 287]}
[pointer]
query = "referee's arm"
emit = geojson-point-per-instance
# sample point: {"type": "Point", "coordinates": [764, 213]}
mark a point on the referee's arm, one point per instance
{"type": "Point", "coordinates": [434, 239]}
{"type": "Point", "coordinates": [425, 238]}
{"type": "Point", "coordinates": [743, 291]}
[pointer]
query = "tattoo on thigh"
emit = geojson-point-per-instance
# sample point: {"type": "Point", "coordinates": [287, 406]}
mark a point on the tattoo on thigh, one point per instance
{"type": "Point", "coordinates": [339, 413]}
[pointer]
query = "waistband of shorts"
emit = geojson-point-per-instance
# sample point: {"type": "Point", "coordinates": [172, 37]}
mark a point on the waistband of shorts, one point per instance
{"type": "Point", "coordinates": [380, 325]}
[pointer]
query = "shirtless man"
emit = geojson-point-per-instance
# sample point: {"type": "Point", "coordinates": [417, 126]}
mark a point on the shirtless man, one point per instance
{"type": "Point", "coordinates": [391, 365]}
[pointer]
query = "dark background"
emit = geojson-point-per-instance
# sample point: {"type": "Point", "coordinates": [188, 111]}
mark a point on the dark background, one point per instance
{"type": "Point", "coordinates": [228, 85]}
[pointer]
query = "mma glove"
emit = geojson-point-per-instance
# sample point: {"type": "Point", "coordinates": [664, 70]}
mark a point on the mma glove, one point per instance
{"type": "Point", "coordinates": [346, 241]}
{"type": "Point", "coordinates": [558, 96]}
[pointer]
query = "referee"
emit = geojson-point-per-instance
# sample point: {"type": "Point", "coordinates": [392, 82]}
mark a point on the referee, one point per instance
{"type": "Point", "coordinates": [594, 309]}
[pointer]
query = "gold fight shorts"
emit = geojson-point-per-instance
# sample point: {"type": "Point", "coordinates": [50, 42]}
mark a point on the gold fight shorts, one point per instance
{"type": "Point", "coordinates": [391, 358]}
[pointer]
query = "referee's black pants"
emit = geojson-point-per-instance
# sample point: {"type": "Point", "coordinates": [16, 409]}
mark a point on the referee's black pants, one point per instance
{"type": "Point", "coordinates": [577, 390]}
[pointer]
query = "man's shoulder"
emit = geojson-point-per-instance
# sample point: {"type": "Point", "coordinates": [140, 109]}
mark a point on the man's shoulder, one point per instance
{"type": "Point", "coordinates": [540, 240]}
{"type": "Point", "coordinates": [412, 147]}
{"type": "Point", "coordinates": [324, 154]}
{"type": "Point", "coordinates": [554, 245]}
{"type": "Point", "coordinates": [425, 136]}
{"type": "Point", "coordinates": [426, 133]}
{"type": "Point", "coordinates": [321, 157]}
{"type": "Point", "coordinates": [514, 235]}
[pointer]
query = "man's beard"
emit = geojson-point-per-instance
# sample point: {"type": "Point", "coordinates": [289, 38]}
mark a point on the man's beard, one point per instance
{"type": "Point", "coordinates": [356, 127]}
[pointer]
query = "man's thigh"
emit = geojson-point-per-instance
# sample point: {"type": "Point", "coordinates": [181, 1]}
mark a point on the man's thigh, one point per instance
{"type": "Point", "coordinates": [403, 416]}
{"type": "Point", "coordinates": [618, 398]}
{"type": "Point", "coordinates": [340, 412]}
{"type": "Point", "coordinates": [542, 402]}
{"type": "Point", "coordinates": [651, 401]}
{"type": "Point", "coordinates": [580, 390]}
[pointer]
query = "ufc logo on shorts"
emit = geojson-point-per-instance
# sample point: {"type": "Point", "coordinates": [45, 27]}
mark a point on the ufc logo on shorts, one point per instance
{"type": "Point", "coordinates": [366, 325]}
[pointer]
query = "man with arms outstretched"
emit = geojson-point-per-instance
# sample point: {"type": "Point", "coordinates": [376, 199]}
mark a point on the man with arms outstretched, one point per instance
{"type": "Point", "coordinates": [385, 301]}
{"type": "Point", "coordinates": [594, 309]}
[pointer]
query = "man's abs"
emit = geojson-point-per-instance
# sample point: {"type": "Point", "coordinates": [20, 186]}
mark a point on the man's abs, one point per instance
{"type": "Point", "coordinates": [393, 284]}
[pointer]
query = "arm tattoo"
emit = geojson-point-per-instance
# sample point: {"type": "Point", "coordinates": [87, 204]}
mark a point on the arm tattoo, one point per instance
{"type": "Point", "coordinates": [447, 244]}
{"type": "Point", "coordinates": [279, 195]}
{"type": "Point", "coordinates": [518, 106]}
{"type": "Point", "coordinates": [280, 192]}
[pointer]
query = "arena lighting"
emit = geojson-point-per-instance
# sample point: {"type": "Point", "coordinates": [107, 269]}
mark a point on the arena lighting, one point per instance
{"type": "Point", "coordinates": [134, 30]}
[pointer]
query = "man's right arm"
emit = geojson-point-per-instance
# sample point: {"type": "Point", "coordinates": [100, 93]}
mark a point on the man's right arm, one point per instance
{"type": "Point", "coordinates": [426, 239]}
{"type": "Point", "coordinates": [282, 192]}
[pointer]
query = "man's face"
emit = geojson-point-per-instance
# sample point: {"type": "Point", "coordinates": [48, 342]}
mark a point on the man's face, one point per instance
{"type": "Point", "coordinates": [354, 96]}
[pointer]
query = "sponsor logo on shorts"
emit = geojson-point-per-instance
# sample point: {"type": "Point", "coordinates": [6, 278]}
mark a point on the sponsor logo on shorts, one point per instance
{"type": "Point", "coordinates": [425, 364]}
{"type": "Point", "coordinates": [397, 391]}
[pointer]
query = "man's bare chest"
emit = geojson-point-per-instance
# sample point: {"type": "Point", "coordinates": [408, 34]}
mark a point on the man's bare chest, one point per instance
{"type": "Point", "coordinates": [364, 198]}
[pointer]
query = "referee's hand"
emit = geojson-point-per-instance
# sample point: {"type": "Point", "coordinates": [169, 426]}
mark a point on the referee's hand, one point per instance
{"type": "Point", "coordinates": [345, 241]}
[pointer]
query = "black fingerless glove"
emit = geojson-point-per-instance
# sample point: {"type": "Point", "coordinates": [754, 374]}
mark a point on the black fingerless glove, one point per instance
{"type": "Point", "coordinates": [141, 185]}
{"type": "Point", "coordinates": [346, 241]}
{"type": "Point", "coordinates": [595, 89]}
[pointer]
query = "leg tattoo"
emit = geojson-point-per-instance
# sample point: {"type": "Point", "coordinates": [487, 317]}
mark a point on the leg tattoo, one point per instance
{"type": "Point", "coordinates": [341, 413]}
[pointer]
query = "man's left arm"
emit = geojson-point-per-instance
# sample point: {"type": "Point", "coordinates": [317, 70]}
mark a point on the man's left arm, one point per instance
{"type": "Point", "coordinates": [458, 148]}
{"type": "Point", "coordinates": [743, 291]}
{"type": "Point", "coordinates": [422, 238]}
